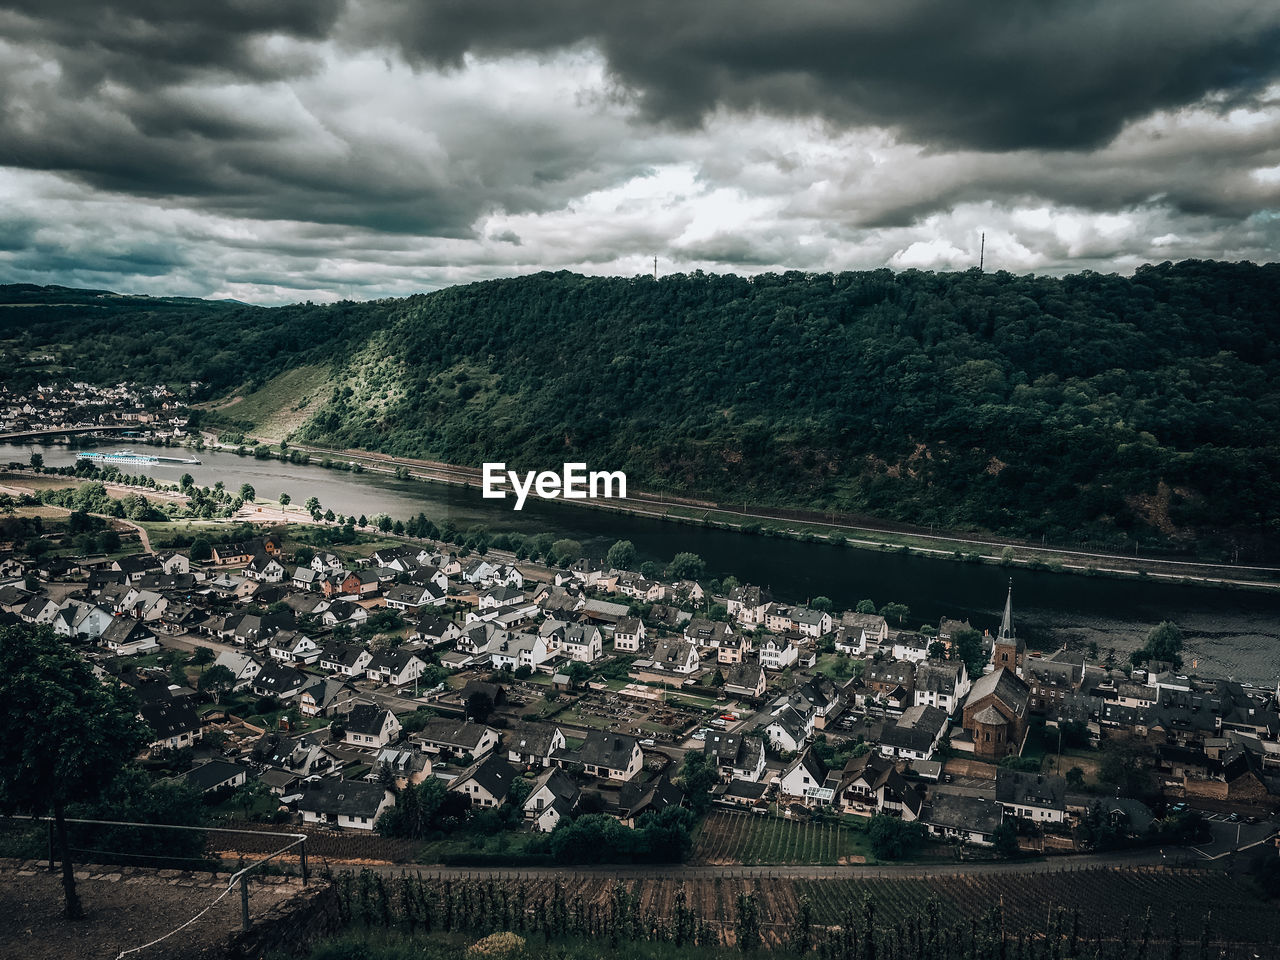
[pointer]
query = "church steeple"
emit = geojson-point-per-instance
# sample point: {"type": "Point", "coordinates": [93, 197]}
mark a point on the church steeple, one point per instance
{"type": "Point", "coordinates": [1006, 624]}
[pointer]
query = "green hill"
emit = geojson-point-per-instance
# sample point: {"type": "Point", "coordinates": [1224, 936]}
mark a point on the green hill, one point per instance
{"type": "Point", "coordinates": [1091, 405]}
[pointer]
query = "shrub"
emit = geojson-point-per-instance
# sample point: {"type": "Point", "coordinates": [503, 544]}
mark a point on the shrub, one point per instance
{"type": "Point", "coordinates": [499, 946]}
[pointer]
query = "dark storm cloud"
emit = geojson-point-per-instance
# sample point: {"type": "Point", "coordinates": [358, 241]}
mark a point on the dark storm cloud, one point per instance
{"type": "Point", "coordinates": [153, 41]}
{"type": "Point", "coordinates": [1061, 74]}
{"type": "Point", "coordinates": [256, 150]}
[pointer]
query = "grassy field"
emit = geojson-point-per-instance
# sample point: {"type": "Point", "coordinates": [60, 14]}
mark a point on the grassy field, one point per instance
{"type": "Point", "coordinates": [730, 837]}
{"type": "Point", "coordinates": [281, 405]}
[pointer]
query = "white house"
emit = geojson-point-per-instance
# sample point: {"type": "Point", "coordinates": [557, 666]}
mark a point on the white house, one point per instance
{"type": "Point", "coordinates": [495, 598]}
{"type": "Point", "coordinates": [916, 734]}
{"type": "Point", "coordinates": [369, 725]}
{"type": "Point", "coordinates": [1032, 796]}
{"type": "Point", "coordinates": [553, 797]}
{"type": "Point", "coordinates": [396, 667]}
{"type": "Point", "coordinates": [349, 804]}
{"type": "Point", "coordinates": [804, 780]}
{"type": "Point", "coordinates": [174, 564]}
{"type": "Point", "coordinates": [777, 653]}
{"type": "Point", "coordinates": [628, 635]}
{"type": "Point", "coordinates": [747, 605]}
{"type": "Point", "coordinates": [789, 729]}
{"type": "Point", "coordinates": [411, 597]}
{"type": "Point", "coordinates": [675, 655]}
{"type": "Point", "coordinates": [581, 642]}
{"type": "Point", "coordinates": [941, 683]}
{"type": "Point", "coordinates": [242, 666]}
{"type": "Point", "coordinates": [289, 646]}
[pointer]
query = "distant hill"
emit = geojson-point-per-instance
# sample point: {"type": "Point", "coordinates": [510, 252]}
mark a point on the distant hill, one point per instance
{"type": "Point", "coordinates": [1087, 405]}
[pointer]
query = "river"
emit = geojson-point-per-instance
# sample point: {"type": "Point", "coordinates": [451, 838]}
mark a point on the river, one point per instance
{"type": "Point", "coordinates": [1232, 633]}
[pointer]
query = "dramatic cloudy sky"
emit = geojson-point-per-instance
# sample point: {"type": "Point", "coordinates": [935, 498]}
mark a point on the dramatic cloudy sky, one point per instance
{"type": "Point", "coordinates": [319, 149]}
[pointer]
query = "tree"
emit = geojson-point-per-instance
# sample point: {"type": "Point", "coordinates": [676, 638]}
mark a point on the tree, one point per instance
{"type": "Point", "coordinates": [746, 924]}
{"type": "Point", "coordinates": [622, 555]}
{"type": "Point", "coordinates": [249, 793]}
{"type": "Point", "coordinates": [938, 651]}
{"type": "Point", "coordinates": [247, 493]}
{"type": "Point", "coordinates": [1119, 767]}
{"type": "Point", "coordinates": [895, 611]}
{"type": "Point", "coordinates": [479, 706]}
{"type": "Point", "coordinates": [417, 811]}
{"type": "Point", "coordinates": [1005, 840]}
{"type": "Point", "coordinates": [108, 541]}
{"type": "Point", "coordinates": [821, 604]}
{"type": "Point", "coordinates": [384, 523]}
{"type": "Point", "coordinates": [186, 481]}
{"type": "Point", "coordinates": [1164, 642]}
{"type": "Point", "coordinates": [866, 606]}
{"type": "Point", "coordinates": [966, 646]}
{"type": "Point", "coordinates": [37, 461]}
{"type": "Point", "coordinates": [217, 680]}
{"type": "Point", "coordinates": [577, 672]}
{"type": "Point", "coordinates": [801, 935]}
{"type": "Point", "coordinates": [698, 776]}
{"type": "Point", "coordinates": [893, 838]}
{"type": "Point", "coordinates": [564, 552]}
{"type": "Point", "coordinates": [285, 499]}
{"type": "Point", "coordinates": [1075, 777]}
{"type": "Point", "coordinates": [202, 656]}
{"type": "Point", "coordinates": [312, 505]}
{"type": "Point", "coordinates": [686, 566]}
{"type": "Point", "coordinates": [200, 549]}
{"type": "Point", "coordinates": [87, 732]}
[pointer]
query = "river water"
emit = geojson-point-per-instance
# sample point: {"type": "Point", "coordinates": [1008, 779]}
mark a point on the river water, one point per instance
{"type": "Point", "coordinates": [1229, 632]}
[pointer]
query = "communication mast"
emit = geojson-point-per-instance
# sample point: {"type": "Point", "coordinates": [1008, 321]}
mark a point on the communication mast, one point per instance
{"type": "Point", "coordinates": [655, 267]}
{"type": "Point", "coordinates": [982, 251]}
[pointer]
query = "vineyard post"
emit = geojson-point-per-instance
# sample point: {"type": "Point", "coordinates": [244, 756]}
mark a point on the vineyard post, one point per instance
{"type": "Point", "coordinates": [245, 922]}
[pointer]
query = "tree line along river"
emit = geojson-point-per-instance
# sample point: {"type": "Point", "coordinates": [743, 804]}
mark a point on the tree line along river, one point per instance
{"type": "Point", "coordinates": [1229, 632]}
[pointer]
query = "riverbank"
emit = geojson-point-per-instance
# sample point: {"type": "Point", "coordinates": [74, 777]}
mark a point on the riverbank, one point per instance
{"type": "Point", "coordinates": [1231, 631]}
{"type": "Point", "coordinates": [797, 526]}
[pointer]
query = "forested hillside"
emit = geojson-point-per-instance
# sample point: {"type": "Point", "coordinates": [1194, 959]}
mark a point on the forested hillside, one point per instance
{"type": "Point", "coordinates": [1112, 406]}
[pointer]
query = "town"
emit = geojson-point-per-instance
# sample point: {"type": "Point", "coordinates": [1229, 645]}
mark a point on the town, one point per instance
{"type": "Point", "coordinates": [57, 406]}
{"type": "Point", "coordinates": [292, 682]}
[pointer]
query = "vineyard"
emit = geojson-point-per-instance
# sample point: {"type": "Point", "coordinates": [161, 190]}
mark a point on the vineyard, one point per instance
{"type": "Point", "coordinates": [1103, 912]}
{"type": "Point", "coordinates": [751, 840]}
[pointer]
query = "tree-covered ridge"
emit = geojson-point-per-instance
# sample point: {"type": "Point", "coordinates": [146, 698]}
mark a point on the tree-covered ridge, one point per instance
{"type": "Point", "coordinates": [1093, 405]}
{"type": "Point", "coordinates": [106, 338]}
{"type": "Point", "coordinates": [1032, 405]}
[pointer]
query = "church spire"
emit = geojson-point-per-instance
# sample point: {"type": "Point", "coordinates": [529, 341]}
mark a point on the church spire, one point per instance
{"type": "Point", "coordinates": [1006, 624]}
